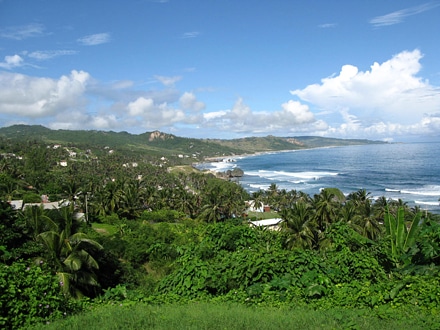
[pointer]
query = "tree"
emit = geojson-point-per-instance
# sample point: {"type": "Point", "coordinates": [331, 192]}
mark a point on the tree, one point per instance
{"type": "Point", "coordinates": [258, 199]}
{"type": "Point", "coordinates": [8, 187]}
{"type": "Point", "coordinates": [326, 208]}
{"type": "Point", "coordinates": [222, 200]}
{"type": "Point", "coordinates": [365, 220]}
{"type": "Point", "coordinates": [37, 221]}
{"type": "Point", "coordinates": [70, 254]}
{"type": "Point", "coordinates": [298, 225]}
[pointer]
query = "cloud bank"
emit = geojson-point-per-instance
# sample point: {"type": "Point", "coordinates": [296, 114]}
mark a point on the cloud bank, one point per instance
{"type": "Point", "coordinates": [385, 101]}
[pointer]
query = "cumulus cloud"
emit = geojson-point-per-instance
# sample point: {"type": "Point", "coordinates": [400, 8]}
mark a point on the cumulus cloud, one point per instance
{"type": "Point", "coordinates": [388, 91]}
{"type": "Point", "coordinates": [188, 101]}
{"type": "Point", "coordinates": [77, 120]}
{"type": "Point", "coordinates": [152, 115]}
{"type": "Point", "coordinates": [386, 100]}
{"type": "Point", "coordinates": [94, 39]}
{"type": "Point", "coordinates": [293, 117]}
{"type": "Point", "coordinates": [22, 32]}
{"type": "Point", "coordinates": [140, 107]}
{"type": "Point", "coordinates": [11, 62]}
{"type": "Point", "coordinates": [35, 97]}
{"type": "Point", "coordinates": [399, 15]}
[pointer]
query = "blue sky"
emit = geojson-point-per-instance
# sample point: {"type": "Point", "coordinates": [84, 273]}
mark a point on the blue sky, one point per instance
{"type": "Point", "coordinates": [223, 69]}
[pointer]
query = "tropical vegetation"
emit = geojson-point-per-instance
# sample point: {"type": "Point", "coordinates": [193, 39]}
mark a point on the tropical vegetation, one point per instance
{"type": "Point", "coordinates": [102, 232]}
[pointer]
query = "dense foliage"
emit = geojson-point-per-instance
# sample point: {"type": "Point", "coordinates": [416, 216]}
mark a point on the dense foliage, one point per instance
{"type": "Point", "coordinates": [127, 229]}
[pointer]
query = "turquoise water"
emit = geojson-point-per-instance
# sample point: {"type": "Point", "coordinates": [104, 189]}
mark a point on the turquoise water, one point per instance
{"type": "Point", "coordinates": [409, 171]}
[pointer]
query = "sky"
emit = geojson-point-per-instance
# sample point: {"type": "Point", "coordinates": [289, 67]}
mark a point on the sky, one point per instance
{"type": "Point", "coordinates": [224, 68]}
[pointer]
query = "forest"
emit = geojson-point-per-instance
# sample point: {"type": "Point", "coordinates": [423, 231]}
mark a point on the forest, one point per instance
{"type": "Point", "coordinates": [97, 228]}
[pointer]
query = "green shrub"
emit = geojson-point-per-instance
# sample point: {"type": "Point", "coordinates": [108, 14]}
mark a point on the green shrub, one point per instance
{"type": "Point", "coordinates": [30, 294]}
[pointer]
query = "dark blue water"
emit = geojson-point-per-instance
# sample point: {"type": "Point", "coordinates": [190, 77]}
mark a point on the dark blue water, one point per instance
{"type": "Point", "coordinates": [410, 171]}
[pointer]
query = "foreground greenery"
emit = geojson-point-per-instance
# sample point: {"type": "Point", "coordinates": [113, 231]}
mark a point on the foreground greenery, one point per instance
{"type": "Point", "coordinates": [177, 245]}
{"type": "Point", "coordinates": [201, 315]}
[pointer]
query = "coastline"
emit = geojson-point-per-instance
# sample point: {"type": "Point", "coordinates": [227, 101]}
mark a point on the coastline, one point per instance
{"type": "Point", "coordinates": [217, 159]}
{"type": "Point", "coordinates": [342, 168]}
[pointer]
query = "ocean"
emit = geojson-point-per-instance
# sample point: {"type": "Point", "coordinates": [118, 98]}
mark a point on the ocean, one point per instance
{"type": "Point", "coordinates": [407, 171]}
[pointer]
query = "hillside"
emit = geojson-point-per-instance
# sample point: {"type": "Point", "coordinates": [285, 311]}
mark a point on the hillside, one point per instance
{"type": "Point", "coordinates": [158, 143]}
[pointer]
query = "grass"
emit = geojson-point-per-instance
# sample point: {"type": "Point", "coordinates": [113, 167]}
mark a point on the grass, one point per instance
{"type": "Point", "coordinates": [186, 169]}
{"type": "Point", "coordinates": [231, 316]}
{"type": "Point", "coordinates": [263, 215]}
{"type": "Point", "coordinates": [104, 228]}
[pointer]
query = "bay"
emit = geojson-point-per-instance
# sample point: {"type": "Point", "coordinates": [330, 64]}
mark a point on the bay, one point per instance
{"type": "Point", "coordinates": [407, 171]}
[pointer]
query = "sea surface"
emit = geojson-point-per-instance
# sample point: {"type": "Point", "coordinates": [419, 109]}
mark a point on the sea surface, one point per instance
{"type": "Point", "coordinates": [407, 171]}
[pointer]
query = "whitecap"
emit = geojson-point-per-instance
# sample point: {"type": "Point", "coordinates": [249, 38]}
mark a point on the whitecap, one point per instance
{"type": "Point", "coordinates": [430, 190]}
{"type": "Point", "coordinates": [427, 203]}
{"type": "Point", "coordinates": [392, 190]}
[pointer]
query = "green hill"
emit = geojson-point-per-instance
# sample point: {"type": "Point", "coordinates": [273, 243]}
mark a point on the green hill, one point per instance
{"type": "Point", "coordinates": [163, 144]}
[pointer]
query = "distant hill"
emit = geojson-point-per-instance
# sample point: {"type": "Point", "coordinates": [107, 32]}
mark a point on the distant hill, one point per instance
{"type": "Point", "coordinates": [158, 143]}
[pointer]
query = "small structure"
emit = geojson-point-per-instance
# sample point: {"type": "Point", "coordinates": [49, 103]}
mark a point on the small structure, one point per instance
{"type": "Point", "coordinates": [16, 204]}
{"type": "Point", "coordinates": [272, 224]}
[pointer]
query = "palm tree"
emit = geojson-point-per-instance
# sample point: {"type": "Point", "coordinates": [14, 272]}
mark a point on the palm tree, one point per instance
{"type": "Point", "coordinates": [326, 209]}
{"type": "Point", "coordinates": [365, 222]}
{"type": "Point", "coordinates": [37, 221]}
{"type": "Point", "coordinates": [108, 198]}
{"type": "Point", "coordinates": [8, 187]}
{"type": "Point", "coordinates": [70, 254]}
{"type": "Point", "coordinates": [258, 199]}
{"type": "Point", "coordinates": [184, 201]}
{"type": "Point", "coordinates": [131, 202]}
{"type": "Point", "coordinates": [381, 205]}
{"type": "Point", "coordinates": [298, 225]}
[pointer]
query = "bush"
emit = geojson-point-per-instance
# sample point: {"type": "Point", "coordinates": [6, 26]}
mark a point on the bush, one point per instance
{"type": "Point", "coordinates": [30, 294]}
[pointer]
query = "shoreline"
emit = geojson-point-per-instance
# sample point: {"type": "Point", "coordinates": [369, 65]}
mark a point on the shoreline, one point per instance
{"type": "Point", "coordinates": [413, 195]}
{"type": "Point", "coordinates": [219, 159]}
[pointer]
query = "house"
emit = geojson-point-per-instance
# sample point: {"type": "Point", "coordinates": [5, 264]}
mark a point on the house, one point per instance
{"type": "Point", "coordinates": [16, 204]}
{"type": "Point", "coordinates": [19, 205]}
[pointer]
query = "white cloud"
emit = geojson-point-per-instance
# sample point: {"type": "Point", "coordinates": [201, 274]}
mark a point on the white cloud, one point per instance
{"type": "Point", "coordinates": [34, 97]}
{"type": "Point", "coordinates": [11, 62]}
{"type": "Point", "coordinates": [140, 107]}
{"type": "Point", "coordinates": [192, 34]}
{"type": "Point", "coordinates": [42, 55]}
{"type": "Point", "coordinates": [390, 91]}
{"type": "Point", "coordinates": [327, 25]}
{"type": "Point", "coordinates": [152, 115]}
{"type": "Point", "coordinates": [387, 100]}
{"type": "Point", "coordinates": [399, 15]}
{"type": "Point", "coordinates": [293, 117]}
{"type": "Point", "coordinates": [214, 115]}
{"type": "Point", "coordinates": [168, 81]}
{"type": "Point", "coordinates": [22, 32]}
{"type": "Point", "coordinates": [188, 101]}
{"type": "Point", "coordinates": [77, 120]}
{"type": "Point", "coordinates": [94, 39]}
